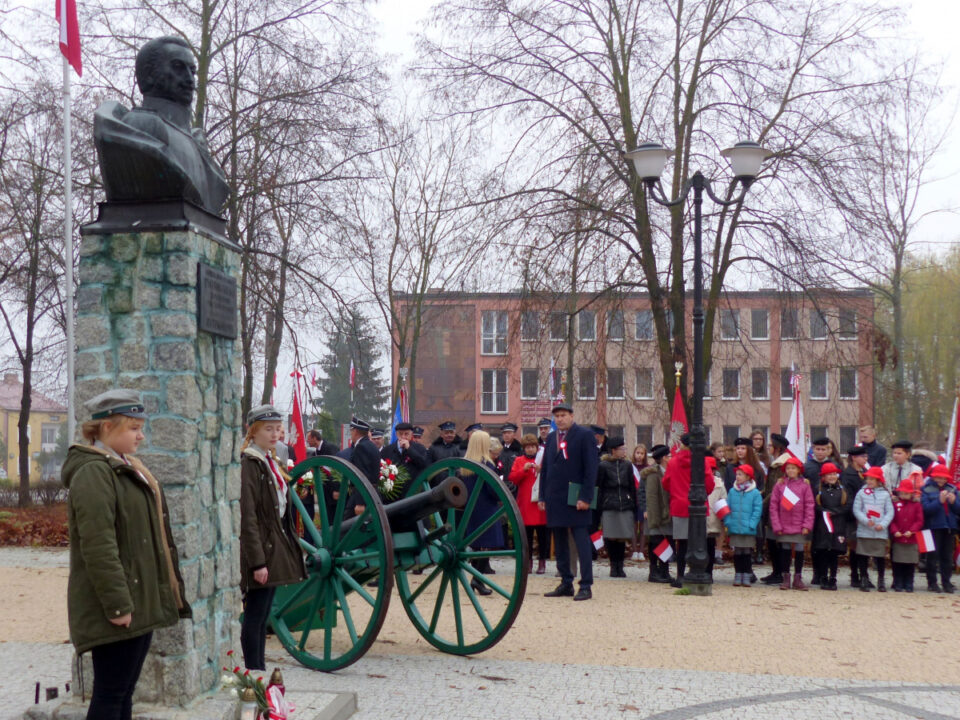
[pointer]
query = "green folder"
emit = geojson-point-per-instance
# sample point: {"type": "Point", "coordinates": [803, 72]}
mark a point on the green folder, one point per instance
{"type": "Point", "coordinates": [573, 494]}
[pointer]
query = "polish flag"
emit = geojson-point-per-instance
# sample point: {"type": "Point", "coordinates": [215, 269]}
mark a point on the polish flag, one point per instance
{"type": "Point", "coordinates": [597, 539]}
{"type": "Point", "coordinates": [721, 509]}
{"type": "Point", "coordinates": [678, 422]}
{"type": "Point", "coordinates": [789, 499]}
{"type": "Point", "coordinates": [353, 375]}
{"type": "Point", "coordinates": [636, 476]}
{"type": "Point", "coordinates": [828, 521]}
{"type": "Point", "coordinates": [299, 437]}
{"type": "Point", "coordinates": [663, 551]}
{"type": "Point", "coordinates": [795, 427]}
{"type": "Point", "coordinates": [956, 556]}
{"type": "Point", "coordinates": [925, 542]}
{"type": "Point", "coordinates": [871, 513]}
{"type": "Point", "coordinates": [70, 33]}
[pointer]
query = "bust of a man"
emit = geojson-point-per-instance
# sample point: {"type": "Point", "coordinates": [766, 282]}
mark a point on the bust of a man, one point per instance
{"type": "Point", "coordinates": [151, 153]}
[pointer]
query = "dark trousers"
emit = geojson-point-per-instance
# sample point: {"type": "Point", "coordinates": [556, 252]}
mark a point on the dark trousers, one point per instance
{"type": "Point", "coordinates": [773, 550]}
{"type": "Point", "coordinates": [903, 574]}
{"type": "Point", "coordinates": [864, 562]}
{"type": "Point", "coordinates": [825, 564]}
{"type": "Point", "coordinates": [743, 561]}
{"type": "Point", "coordinates": [680, 548]}
{"type": "Point", "coordinates": [542, 533]}
{"type": "Point", "coordinates": [253, 632]}
{"type": "Point", "coordinates": [617, 550]}
{"type": "Point", "coordinates": [116, 668]}
{"type": "Point", "coordinates": [711, 553]}
{"type": "Point", "coordinates": [785, 551]}
{"type": "Point", "coordinates": [941, 559]}
{"type": "Point", "coordinates": [581, 537]}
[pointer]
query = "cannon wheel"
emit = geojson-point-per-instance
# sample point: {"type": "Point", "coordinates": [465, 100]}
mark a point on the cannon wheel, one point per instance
{"type": "Point", "coordinates": [471, 623]}
{"type": "Point", "coordinates": [333, 617]}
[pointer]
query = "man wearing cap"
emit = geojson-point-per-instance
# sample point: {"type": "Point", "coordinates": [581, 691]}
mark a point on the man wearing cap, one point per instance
{"type": "Point", "coordinates": [876, 453]}
{"type": "Point", "coordinates": [406, 453]}
{"type": "Point", "coordinates": [445, 446]}
{"type": "Point", "coordinates": [376, 436]}
{"type": "Point", "coordinates": [900, 466]}
{"type": "Point", "coordinates": [365, 456]}
{"type": "Point", "coordinates": [851, 478]}
{"type": "Point", "coordinates": [600, 437]}
{"type": "Point", "coordinates": [511, 446]}
{"type": "Point", "coordinates": [469, 430]}
{"type": "Point", "coordinates": [418, 437]}
{"type": "Point", "coordinates": [811, 468]}
{"type": "Point", "coordinates": [543, 430]}
{"type": "Point", "coordinates": [569, 461]}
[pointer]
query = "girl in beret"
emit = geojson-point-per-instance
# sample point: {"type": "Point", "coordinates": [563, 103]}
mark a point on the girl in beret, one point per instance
{"type": "Point", "coordinates": [124, 578]}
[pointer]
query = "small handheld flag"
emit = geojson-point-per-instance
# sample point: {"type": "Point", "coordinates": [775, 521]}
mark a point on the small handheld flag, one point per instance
{"type": "Point", "coordinates": [925, 542]}
{"type": "Point", "coordinates": [789, 499]}
{"type": "Point", "coordinates": [828, 521]}
{"type": "Point", "coordinates": [872, 513]}
{"type": "Point", "coordinates": [597, 539]}
{"type": "Point", "coordinates": [663, 551]}
{"type": "Point", "coordinates": [636, 476]}
{"type": "Point", "coordinates": [721, 509]}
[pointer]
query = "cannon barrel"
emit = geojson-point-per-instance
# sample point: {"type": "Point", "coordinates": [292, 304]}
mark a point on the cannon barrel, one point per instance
{"type": "Point", "coordinates": [404, 513]}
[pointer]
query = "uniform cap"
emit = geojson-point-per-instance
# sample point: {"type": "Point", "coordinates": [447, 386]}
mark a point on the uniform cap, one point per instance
{"type": "Point", "coordinates": [779, 439]}
{"type": "Point", "coordinates": [822, 441]}
{"type": "Point", "coordinates": [377, 432]}
{"type": "Point", "coordinates": [508, 427]}
{"type": "Point", "coordinates": [793, 461]}
{"type": "Point", "coordinates": [116, 402]}
{"type": "Point", "coordinates": [418, 431]}
{"type": "Point", "coordinates": [263, 413]}
{"type": "Point", "coordinates": [473, 427]}
{"type": "Point", "coordinates": [544, 422]}
{"type": "Point", "coordinates": [906, 486]}
{"type": "Point", "coordinates": [358, 424]}
{"type": "Point", "coordinates": [941, 471]}
{"type": "Point", "coordinates": [448, 425]}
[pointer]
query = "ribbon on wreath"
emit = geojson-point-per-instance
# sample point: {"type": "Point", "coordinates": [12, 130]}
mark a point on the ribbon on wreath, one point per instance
{"type": "Point", "coordinates": [279, 707]}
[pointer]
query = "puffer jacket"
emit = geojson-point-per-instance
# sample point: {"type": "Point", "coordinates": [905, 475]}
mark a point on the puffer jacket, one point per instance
{"type": "Point", "coordinates": [800, 518]}
{"type": "Point", "coordinates": [834, 501]}
{"type": "Point", "coordinates": [878, 502]}
{"type": "Point", "coordinates": [937, 515]}
{"type": "Point", "coordinates": [746, 508]}
{"type": "Point", "coordinates": [122, 556]}
{"type": "Point", "coordinates": [676, 481]}
{"type": "Point", "coordinates": [715, 524]}
{"type": "Point", "coordinates": [616, 488]}
{"type": "Point", "coordinates": [266, 539]}
{"type": "Point", "coordinates": [658, 499]}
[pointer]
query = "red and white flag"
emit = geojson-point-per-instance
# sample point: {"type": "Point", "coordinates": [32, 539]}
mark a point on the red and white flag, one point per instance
{"type": "Point", "coordinates": [871, 513]}
{"type": "Point", "coordinates": [70, 33]}
{"type": "Point", "coordinates": [828, 521]}
{"type": "Point", "coordinates": [313, 377]}
{"type": "Point", "coordinates": [300, 441]}
{"type": "Point", "coordinates": [721, 509]}
{"type": "Point", "coordinates": [953, 443]}
{"type": "Point", "coordinates": [925, 542]}
{"type": "Point", "coordinates": [353, 375]}
{"type": "Point", "coordinates": [636, 476]}
{"type": "Point", "coordinates": [795, 426]}
{"type": "Point", "coordinates": [678, 421]}
{"type": "Point", "coordinates": [789, 499]}
{"type": "Point", "coordinates": [956, 556]}
{"type": "Point", "coordinates": [597, 539]}
{"type": "Point", "coordinates": [663, 551]}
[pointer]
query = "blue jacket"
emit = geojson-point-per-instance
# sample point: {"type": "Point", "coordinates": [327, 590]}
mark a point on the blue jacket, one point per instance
{"type": "Point", "coordinates": [935, 516]}
{"type": "Point", "coordinates": [746, 507]}
{"type": "Point", "coordinates": [557, 472]}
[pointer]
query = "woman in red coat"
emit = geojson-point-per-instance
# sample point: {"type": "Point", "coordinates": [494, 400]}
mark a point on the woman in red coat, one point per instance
{"type": "Point", "coordinates": [523, 474]}
{"type": "Point", "coordinates": [676, 481]}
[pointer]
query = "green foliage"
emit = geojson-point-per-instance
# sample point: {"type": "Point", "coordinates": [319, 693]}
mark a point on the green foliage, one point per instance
{"type": "Point", "coordinates": [931, 351]}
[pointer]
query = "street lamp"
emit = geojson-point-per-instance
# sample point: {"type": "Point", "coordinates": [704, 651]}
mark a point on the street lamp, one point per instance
{"type": "Point", "coordinates": [649, 160]}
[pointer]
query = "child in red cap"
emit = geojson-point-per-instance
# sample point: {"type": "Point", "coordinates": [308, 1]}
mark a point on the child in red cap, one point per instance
{"type": "Point", "coordinates": [907, 522]}
{"type": "Point", "coordinates": [791, 515]}
{"type": "Point", "coordinates": [873, 510]}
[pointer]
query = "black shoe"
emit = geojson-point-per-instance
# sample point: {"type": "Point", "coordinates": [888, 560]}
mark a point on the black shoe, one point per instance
{"type": "Point", "coordinates": [864, 588]}
{"type": "Point", "coordinates": [753, 578]}
{"type": "Point", "coordinates": [881, 586]}
{"type": "Point", "coordinates": [825, 584]}
{"type": "Point", "coordinates": [948, 588]}
{"type": "Point", "coordinates": [676, 582]}
{"type": "Point", "coordinates": [817, 579]}
{"type": "Point", "coordinates": [833, 584]}
{"type": "Point", "coordinates": [562, 590]}
{"type": "Point", "coordinates": [933, 587]}
{"type": "Point", "coordinates": [908, 588]}
{"type": "Point", "coordinates": [866, 583]}
{"type": "Point", "coordinates": [772, 580]}
{"type": "Point", "coordinates": [854, 582]}
{"type": "Point", "coordinates": [583, 593]}
{"type": "Point", "coordinates": [897, 588]}
{"type": "Point", "coordinates": [480, 588]}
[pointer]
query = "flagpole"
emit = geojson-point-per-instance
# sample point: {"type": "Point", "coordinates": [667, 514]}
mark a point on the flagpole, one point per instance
{"type": "Point", "coordinates": [68, 249]}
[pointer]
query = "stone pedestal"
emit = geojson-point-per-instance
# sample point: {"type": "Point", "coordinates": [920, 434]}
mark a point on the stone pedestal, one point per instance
{"type": "Point", "coordinates": [137, 327]}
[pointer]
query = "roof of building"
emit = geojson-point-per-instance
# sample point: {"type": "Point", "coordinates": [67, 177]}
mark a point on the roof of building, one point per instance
{"type": "Point", "coordinates": [11, 389]}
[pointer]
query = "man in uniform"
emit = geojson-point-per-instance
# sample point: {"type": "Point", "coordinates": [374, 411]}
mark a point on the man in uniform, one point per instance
{"type": "Point", "coordinates": [418, 436]}
{"type": "Point", "coordinates": [511, 447]}
{"type": "Point", "coordinates": [543, 429]}
{"type": "Point", "coordinates": [445, 446]}
{"type": "Point", "coordinates": [365, 457]}
{"type": "Point", "coordinates": [570, 457]}
{"type": "Point", "coordinates": [600, 436]}
{"type": "Point", "coordinates": [406, 453]}
{"type": "Point", "coordinates": [469, 430]}
{"type": "Point", "coordinates": [376, 435]}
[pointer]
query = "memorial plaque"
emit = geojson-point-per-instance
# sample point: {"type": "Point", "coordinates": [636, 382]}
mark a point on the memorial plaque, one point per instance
{"type": "Point", "coordinates": [216, 302]}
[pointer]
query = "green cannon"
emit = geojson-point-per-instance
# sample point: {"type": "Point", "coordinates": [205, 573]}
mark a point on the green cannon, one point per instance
{"type": "Point", "coordinates": [424, 542]}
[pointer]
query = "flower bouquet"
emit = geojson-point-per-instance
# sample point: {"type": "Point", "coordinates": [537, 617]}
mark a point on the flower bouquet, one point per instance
{"type": "Point", "coordinates": [393, 479]}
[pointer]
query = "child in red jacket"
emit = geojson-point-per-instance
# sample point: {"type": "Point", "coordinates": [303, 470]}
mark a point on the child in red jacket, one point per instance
{"type": "Point", "coordinates": [907, 522]}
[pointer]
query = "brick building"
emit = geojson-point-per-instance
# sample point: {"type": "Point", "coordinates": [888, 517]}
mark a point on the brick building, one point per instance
{"type": "Point", "coordinates": [487, 358]}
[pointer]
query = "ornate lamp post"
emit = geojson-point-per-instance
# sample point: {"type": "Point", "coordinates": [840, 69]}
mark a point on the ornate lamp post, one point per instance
{"type": "Point", "coordinates": [649, 159]}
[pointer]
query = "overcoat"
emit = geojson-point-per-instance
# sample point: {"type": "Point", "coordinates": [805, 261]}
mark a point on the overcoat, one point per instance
{"type": "Point", "coordinates": [488, 502]}
{"type": "Point", "coordinates": [578, 465]}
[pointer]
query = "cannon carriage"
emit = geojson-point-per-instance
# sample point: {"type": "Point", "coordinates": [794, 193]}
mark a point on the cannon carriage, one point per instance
{"type": "Point", "coordinates": [423, 543]}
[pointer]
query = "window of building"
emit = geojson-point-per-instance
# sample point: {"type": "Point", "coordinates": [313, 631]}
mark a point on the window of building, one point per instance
{"type": "Point", "coordinates": [670, 323]}
{"type": "Point", "coordinates": [731, 384]}
{"type": "Point", "coordinates": [615, 383]}
{"type": "Point", "coordinates": [666, 435]}
{"type": "Point", "coordinates": [848, 383]}
{"type": "Point", "coordinates": [786, 389]}
{"type": "Point", "coordinates": [818, 325]}
{"type": "Point", "coordinates": [644, 323]}
{"type": "Point", "coordinates": [48, 434]}
{"type": "Point", "coordinates": [494, 332]}
{"type": "Point", "coordinates": [849, 436]}
{"type": "Point", "coordinates": [529, 430]}
{"type": "Point", "coordinates": [493, 391]}
{"type": "Point", "coordinates": [818, 431]}
{"type": "Point", "coordinates": [587, 325]}
{"type": "Point", "coordinates": [615, 325]}
{"type": "Point", "coordinates": [558, 325]}
{"type": "Point", "coordinates": [707, 385]}
{"type": "Point", "coordinates": [729, 324]}
{"type": "Point", "coordinates": [706, 435]}
{"type": "Point", "coordinates": [848, 324]}
{"type": "Point", "coordinates": [645, 435]}
{"type": "Point", "coordinates": [530, 384]}
{"type": "Point", "coordinates": [587, 384]}
{"type": "Point", "coordinates": [530, 326]}
{"type": "Point", "coordinates": [818, 385]}
{"type": "Point", "coordinates": [789, 324]}
{"type": "Point", "coordinates": [617, 431]}
{"type": "Point", "coordinates": [759, 324]}
{"type": "Point", "coordinates": [730, 434]}
{"type": "Point", "coordinates": [759, 384]}
{"type": "Point", "coordinates": [644, 377]}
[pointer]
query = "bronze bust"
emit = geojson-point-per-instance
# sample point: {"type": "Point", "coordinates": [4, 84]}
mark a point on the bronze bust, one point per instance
{"type": "Point", "coordinates": [151, 153]}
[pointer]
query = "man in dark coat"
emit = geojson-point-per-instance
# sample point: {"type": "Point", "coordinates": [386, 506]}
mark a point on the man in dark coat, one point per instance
{"type": "Point", "coordinates": [445, 446]}
{"type": "Point", "coordinates": [316, 445]}
{"type": "Point", "coordinates": [366, 458]}
{"type": "Point", "coordinates": [852, 480]}
{"type": "Point", "coordinates": [406, 453]}
{"type": "Point", "coordinates": [469, 430]}
{"type": "Point", "coordinates": [543, 430]}
{"type": "Point", "coordinates": [511, 446]}
{"type": "Point", "coordinates": [876, 453]}
{"type": "Point", "coordinates": [570, 456]}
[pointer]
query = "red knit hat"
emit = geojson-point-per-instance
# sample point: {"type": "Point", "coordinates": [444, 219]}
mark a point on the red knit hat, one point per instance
{"type": "Point", "coordinates": [746, 470]}
{"type": "Point", "coordinates": [793, 461]}
{"type": "Point", "coordinates": [906, 486]}
{"type": "Point", "coordinates": [941, 471]}
{"type": "Point", "coordinates": [876, 473]}
{"type": "Point", "coordinates": [828, 468]}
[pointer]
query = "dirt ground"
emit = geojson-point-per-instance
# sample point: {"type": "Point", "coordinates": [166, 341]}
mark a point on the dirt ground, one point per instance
{"type": "Point", "coordinates": [846, 634]}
